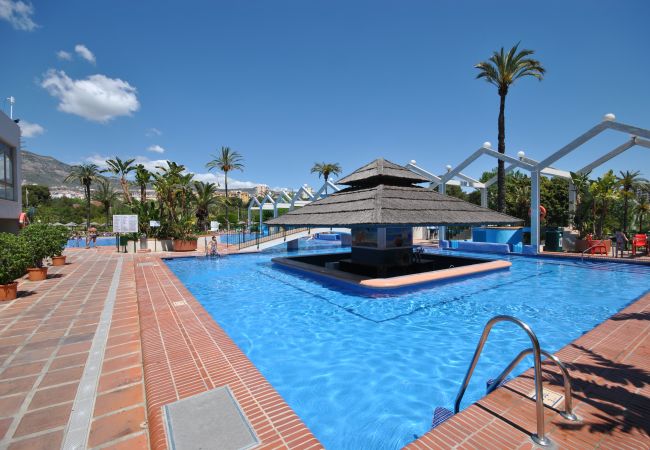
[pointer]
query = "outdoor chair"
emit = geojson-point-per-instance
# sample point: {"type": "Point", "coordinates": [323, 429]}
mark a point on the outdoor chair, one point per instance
{"type": "Point", "coordinates": [596, 246]}
{"type": "Point", "coordinates": [639, 241]}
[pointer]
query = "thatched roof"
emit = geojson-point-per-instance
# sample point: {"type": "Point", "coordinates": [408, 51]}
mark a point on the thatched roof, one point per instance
{"type": "Point", "coordinates": [386, 205]}
{"type": "Point", "coordinates": [382, 171]}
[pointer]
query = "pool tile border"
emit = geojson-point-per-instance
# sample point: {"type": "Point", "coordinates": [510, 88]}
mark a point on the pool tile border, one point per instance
{"type": "Point", "coordinates": [186, 352]}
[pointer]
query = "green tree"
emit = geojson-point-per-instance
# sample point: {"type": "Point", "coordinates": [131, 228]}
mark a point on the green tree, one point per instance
{"type": "Point", "coordinates": [226, 161]}
{"type": "Point", "coordinates": [642, 209]}
{"type": "Point", "coordinates": [84, 174]}
{"type": "Point", "coordinates": [628, 182]}
{"type": "Point", "coordinates": [325, 170]}
{"type": "Point", "coordinates": [142, 179]}
{"type": "Point", "coordinates": [35, 195]}
{"type": "Point", "coordinates": [121, 169]}
{"type": "Point", "coordinates": [106, 195]}
{"type": "Point", "coordinates": [502, 70]}
{"type": "Point", "coordinates": [604, 191]}
{"type": "Point", "coordinates": [204, 199]}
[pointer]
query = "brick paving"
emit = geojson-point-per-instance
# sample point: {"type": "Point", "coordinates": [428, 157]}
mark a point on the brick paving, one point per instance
{"type": "Point", "coordinates": [163, 346]}
{"type": "Point", "coordinates": [45, 337]}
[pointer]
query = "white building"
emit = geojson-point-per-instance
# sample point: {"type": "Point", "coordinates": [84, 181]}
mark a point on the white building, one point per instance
{"type": "Point", "coordinates": [10, 162]}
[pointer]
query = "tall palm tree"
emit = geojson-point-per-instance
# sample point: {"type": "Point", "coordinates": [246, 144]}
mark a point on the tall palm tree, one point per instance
{"type": "Point", "coordinates": [122, 169]}
{"type": "Point", "coordinates": [84, 174]}
{"type": "Point", "coordinates": [628, 181]}
{"type": "Point", "coordinates": [642, 209]}
{"type": "Point", "coordinates": [502, 70]}
{"type": "Point", "coordinates": [325, 170]}
{"type": "Point", "coordinates": [226, 161]}
{"type": "Point", "coordinates": [604, 190]}
{"type": "Point", "coordinates": [204, 199]}
{"type": "Point", "coordinates": [142, 179]}
{"type": "Point", "coordinates": [106, 195]}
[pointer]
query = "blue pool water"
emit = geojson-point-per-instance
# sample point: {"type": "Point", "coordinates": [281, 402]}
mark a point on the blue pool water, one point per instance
{"type": "Point", "coordinates": [101, 242]}
{"type": "Point", "coordinates": [366, 372]}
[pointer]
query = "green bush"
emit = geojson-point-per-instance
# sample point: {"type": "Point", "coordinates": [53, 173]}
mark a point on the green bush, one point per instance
{"type": "Point", "coordinates": [43, 241]}
{"type": "Point", "coordinates": [59, 236]}
{"type": "Point", "coordinates": [14, 257]}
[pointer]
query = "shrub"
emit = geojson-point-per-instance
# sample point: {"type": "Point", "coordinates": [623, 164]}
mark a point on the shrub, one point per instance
{"type": "Point", "coordinates": [14, 257]}
{"type": "Point", "coordinates": [43, 241]}
{"type": "Point", "coordinates": [59, 236]}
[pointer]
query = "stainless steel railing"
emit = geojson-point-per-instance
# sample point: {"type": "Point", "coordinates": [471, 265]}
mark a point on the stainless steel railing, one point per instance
{"type": "Point", "coordinates": [540, 437]}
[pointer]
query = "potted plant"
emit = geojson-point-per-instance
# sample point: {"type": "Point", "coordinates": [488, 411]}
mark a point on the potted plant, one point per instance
{"type": "Point", "coordinates": [58, 240]}
{"type": "Point", "coordinates": [14, 258]}
{"type": "Point", "coordinates": [184, 237]}
{"type": "Point", "coordinates": [39, 242]}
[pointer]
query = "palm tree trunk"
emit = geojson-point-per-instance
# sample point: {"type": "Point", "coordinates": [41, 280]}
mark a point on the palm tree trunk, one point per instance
{"type": "Point", "coordinates": [501, 170]}
{"type": "Point", "coordinates": [88, 206]}
{"type": "Point", "coordinates": [108, 211]}
{"type": "Point", "coordinates": [326, 178]}
{"type": "Point", "coordinates": [625, 199]}
{"type": "Point", "coordinates": [125, 188]}
{"type": "Point", "coordinates": [143, 193]}
{"type": "Point", "coordinates": [226, 202]}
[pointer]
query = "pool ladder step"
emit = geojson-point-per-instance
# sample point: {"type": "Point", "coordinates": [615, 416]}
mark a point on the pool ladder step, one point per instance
{"type": "Point", "coordinates": [540, 438]}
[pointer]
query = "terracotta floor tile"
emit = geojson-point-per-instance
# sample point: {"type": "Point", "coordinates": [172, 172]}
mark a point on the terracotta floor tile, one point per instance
{"type": "Point", "coordinates": [51, 396]}
{"type": "Point", "coordinates": [119, 399]}
{"type": "Point", "coordinates": [44, 419]}
{"type": "Point", "coordinates": [72, 374]}
{"type": "Point", "coordinates": [47, 441]}
{"type": "Point", "coordinates": [120, 378]}
{"type": "Point", "coordinates": [114, 426]}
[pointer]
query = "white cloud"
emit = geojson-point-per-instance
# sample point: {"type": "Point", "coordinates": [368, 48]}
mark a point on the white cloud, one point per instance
{"type": "Point", "coordinates": [63, 55]}
{"type": "Point", "coordinates": [151, 132]}
{"type": "Point", "coordinates": [28, 129]}
{"type": "Point", "coordinates": [85, 53]}
{"type": "Point", "coordinates": [156, 149]}
{"type": "Point", "coordinates": [18, 14]}
{"type": "Point", "coordinates": [97, 98]}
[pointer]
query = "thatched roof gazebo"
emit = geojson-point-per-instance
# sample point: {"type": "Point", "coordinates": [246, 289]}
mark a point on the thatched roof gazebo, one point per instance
{"type": "Point", "coordinates": [383, 193]}
{"type": "Point", "coordinates": [381, 205]}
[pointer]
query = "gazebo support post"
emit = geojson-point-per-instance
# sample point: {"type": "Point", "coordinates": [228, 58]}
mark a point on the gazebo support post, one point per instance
{"type": "Point", "coordinates": [534, 210]}
{"type": "Point", "coordinates": [442, 231]}
{"type": "Point", "coordinates": [484, 197]}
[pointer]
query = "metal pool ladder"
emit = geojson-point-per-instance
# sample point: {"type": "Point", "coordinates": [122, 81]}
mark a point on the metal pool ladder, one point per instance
{"type": "Point", "coordinates": [540, 437]}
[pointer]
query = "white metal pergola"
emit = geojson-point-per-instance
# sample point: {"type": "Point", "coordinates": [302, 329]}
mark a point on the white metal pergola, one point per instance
{"type": "Point", "coordinates": [287, 200]}
{"type": "Point", "coordinates": [638, 136]}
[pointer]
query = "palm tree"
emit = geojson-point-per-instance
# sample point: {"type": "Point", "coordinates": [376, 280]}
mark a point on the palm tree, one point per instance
{"type": "Point", "coordinates": [142, 179]}
{"type": "Point", "coordinates": [226, 161]}
{"type": "Point", "coordinates": [106, 195]}
{"type": "Point", "coordinates": [641, 209]}
{"type": "Point", "coordinates": [325, 170]}
{"type": "Point", "coordinates": [204, 199]}
{"type": "Point", "coordinates": [85, 174]}
{"type": "Point", "coordinates": [502, 70]}
{"type": "Point", "coordinates": [604, 190]}
{"type": "Point", "coordinates": [581, 184]}
{"type": "Point", "coordinates": [628, 181]}
{"type": "Point", "coordinates": [121, 168]}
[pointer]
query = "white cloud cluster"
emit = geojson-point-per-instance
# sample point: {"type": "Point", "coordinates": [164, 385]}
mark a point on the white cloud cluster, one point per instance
{"type": "Point", "coordinates": [152, 164]}
{"type": "Point", "coordinates": [156, 149]}
{"type": "Point", "coordinates": [29, 130]}
{"type": "Point", "coordinates": [85, 53]}
{"type": "Point", "coordinates": [18, 14]}
{"type": "Point", "coordinates": [97, 98]}
{"type": "Point", "coordinates": [63, 55]}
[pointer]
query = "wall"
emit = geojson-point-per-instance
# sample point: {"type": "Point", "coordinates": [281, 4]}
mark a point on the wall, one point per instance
{"type": "Point", "coordinates": [9, 209]}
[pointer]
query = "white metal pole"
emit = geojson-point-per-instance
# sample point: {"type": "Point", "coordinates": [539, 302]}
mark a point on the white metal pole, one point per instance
{"type": "Point", "coordinates": [484, 197]}
{"type": "Point", "coordinates": [534, 210]}
{"type": "Point", "coordinates": [442, 231]}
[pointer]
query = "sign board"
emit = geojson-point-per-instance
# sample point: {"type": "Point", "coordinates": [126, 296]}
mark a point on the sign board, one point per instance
{"type": "Point", "coordinates": [214, 225]}
{"type": "Point", "coordinates": [127, 223]}
{"type": "Point", "coordinates": [154, 223]}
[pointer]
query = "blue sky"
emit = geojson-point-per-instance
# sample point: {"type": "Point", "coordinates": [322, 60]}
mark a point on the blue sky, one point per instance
{"type": "Point", "coordinates": [289, 83]}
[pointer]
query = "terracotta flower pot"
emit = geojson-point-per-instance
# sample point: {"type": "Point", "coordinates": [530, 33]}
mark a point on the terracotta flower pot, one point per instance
{"type": "Point", "coordinates": [37, 273]}
{"type": "Point", "coordinates": [58, 260]}
{"type": "Point", "coordinates": [8, 291]}
{"type": "Point", "coordinates": [184, 246]}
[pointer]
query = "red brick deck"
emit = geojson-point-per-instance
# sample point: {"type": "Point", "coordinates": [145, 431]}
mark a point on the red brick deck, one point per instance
{"type": "Point", "coordinates": [45, 337]}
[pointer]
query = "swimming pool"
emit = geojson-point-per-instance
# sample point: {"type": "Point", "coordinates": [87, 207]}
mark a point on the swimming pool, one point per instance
{"type": "Point", "coordinates": [366, 372]}
{"type": "Point", "coordinates": [104, 241]}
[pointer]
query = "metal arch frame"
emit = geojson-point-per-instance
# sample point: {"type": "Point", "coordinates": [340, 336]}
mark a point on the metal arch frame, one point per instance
{"type": "Point", "coordinates": [639, 137]}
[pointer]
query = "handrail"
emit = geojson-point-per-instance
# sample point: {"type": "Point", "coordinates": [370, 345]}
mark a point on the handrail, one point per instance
{"type": "Point", "coordinates": [539, 438]}
{"type": "Point", "coordinates": [568, 395]}
{"type": "Point", "coordinates": [601, 243]}
{"type": "Point", "coordinates": [260, 239]}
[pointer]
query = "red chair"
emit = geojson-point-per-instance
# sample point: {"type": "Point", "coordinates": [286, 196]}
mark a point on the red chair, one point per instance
{"type": "Point", "coordinates": [639, 241]}
{"type": "Point", "coordinates": [596, 246]}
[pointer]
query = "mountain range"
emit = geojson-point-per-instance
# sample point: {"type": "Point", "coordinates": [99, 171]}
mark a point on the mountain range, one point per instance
{"type": "Point", "coordinates": [43, 170]}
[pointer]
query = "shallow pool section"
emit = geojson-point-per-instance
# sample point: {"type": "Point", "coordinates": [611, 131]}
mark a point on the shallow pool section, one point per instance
{"type": "Point", "coordinates": [104, 241]}
{"type": "Point", "coordinates": [366, 372]}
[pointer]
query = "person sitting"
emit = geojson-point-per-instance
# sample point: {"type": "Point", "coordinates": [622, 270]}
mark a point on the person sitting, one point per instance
{"type": "Point", "coordinates": [621, 243]}
{"type": "Point", "coordinates": [213, 248]}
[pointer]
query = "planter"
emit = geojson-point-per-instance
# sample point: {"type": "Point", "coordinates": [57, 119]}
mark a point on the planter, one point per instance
{"type": "Point", "coordinates": [166, 245]}
{"type": "Point", "coordinates": [37, 273]}
{"type": "Point", "coordinates": [181, 245]}
{"type": "Point", "coordinates": [581, 245]}
{"type": "Point", "coordinates": [8, 291]}
{"type": "Point", "coordinates": [58, 260]}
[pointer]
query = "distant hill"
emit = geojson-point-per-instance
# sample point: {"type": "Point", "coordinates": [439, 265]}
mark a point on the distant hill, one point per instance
{"type": "Point", "coordinates": [44, 170]}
